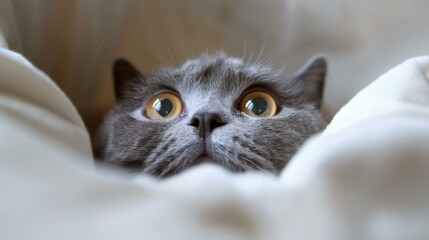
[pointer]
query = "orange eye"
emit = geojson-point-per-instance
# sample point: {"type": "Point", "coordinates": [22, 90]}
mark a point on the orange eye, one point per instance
{"type": "Point", "coordinates": [258, 104]}
{"type": "Point", "coordinates": [163, 106]}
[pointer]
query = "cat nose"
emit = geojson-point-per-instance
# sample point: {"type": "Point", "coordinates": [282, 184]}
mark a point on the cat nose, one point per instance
{"type": "Point", "coordinates": [206, 123]}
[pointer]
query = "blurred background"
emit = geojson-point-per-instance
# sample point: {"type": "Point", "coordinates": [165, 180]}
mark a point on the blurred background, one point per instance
{"type": "Point", "coordinates": [76, 41]}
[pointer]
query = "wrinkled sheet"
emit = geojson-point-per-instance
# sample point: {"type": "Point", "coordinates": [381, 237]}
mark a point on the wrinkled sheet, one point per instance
{"type": "Point", "coordinates": [365, 177]}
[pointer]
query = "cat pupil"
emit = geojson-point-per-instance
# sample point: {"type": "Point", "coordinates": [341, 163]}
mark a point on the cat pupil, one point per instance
{"type": "Point", "coordinates": [163, 107]}
{"type": "Point", "coordinates": [257, 105]}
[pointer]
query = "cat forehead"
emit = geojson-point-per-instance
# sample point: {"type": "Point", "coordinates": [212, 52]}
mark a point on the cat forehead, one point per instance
{"type": "Point", "coordinates": [220, 71]}
{"type": "Point", "coordinates": [207, 61]}
{"type": "Point", "coordinates": [221, 64]}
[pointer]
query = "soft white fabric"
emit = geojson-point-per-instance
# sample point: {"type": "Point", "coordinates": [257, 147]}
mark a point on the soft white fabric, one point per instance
{"type": "Point", "coordinates": [365, 177]}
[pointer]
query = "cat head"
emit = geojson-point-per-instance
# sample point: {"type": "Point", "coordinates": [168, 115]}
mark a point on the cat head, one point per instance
{"type": "Point", "coordinates": [214, 109]}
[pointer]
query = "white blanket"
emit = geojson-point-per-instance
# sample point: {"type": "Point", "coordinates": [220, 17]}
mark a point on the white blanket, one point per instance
{"type": "Point", "coordinates": [365, 177]}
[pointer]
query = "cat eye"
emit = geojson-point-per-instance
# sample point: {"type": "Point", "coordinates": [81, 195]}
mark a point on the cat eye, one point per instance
{"type": "Point", "coordinates": [164, 105]}
{"type": "Point", "coordinates": [258, 104]}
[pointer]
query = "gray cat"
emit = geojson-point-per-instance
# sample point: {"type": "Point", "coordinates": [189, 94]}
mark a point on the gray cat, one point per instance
{"type": "Point", "coordinates": [214, 109]}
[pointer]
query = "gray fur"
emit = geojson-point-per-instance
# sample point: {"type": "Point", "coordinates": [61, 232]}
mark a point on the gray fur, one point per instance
{"type": "Point", "coordinates": [210, 84]}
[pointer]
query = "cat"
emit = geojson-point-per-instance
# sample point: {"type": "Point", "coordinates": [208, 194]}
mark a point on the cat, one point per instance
{"type": "Point", "coordinates": [215, 109]}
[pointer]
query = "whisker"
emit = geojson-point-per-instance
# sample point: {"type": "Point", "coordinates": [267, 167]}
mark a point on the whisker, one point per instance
{"type": "Point", "coordinates": [163, 45]}
{"type": "Point", "coordinates": [261, 51]}
{"type": "Point", "coordinates": [251, 58]}
{"type": "Point", "coordinates": [254, 164]}
{"type": "Point", "coordinates": [171, 49]}
{"type": "Point", "coordinates": [102, 43]}
{"type": "Point", "coordinates": [244, 49]}
{"type": "Point", "coordinates": [274, 54]}
{"type": "Point", "coordinates": [139, 51]}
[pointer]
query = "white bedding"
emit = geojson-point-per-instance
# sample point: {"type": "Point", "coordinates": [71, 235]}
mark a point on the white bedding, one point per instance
{"type": "Point", "coordinates": [365, 177]}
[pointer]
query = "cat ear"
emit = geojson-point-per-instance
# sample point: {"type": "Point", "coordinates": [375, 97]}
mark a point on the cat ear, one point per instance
{"type": "Point", "coordinates": [313, 75]}
{"type": "Point", "coordinates": [124, 74]}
